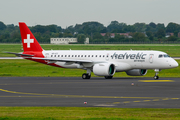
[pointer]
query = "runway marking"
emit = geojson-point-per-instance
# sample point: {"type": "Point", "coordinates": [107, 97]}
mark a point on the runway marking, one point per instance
{"type": "Point", "coordinates": [165, 99]}
{"type": "Point", "coordinates": [56, 83]}
{"type": "Point", "coordinates": [156, 80]}
{"type": "Point", "coordinates": [116, 102]}
{"type": "Point", "coordinates": [83, 96]}
{"type": "Point", "coordinates": [79, 96]}
{"type": "Point", "coordinates": [175, 98]}
{"type": "Point", "coordinates": [126, 102]}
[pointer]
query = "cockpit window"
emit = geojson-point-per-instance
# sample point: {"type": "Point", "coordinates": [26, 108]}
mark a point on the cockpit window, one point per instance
{"type": "Point", "coordinates": [160, 56]}
{"type": "Point", "coordinates": [166, 55]}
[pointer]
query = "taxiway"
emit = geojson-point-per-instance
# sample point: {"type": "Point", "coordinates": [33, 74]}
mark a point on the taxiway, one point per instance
{"type": "Point", "coordinates": [132, 92]}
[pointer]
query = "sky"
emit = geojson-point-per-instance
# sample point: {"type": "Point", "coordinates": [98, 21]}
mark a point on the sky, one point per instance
{"type": "Point", "coordinates": [65, 13]}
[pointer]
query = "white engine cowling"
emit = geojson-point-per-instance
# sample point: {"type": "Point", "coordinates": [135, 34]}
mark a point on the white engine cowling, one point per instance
{"type": "Point", "coordinates": [104, 69]}
{"type": "Point", "coordinates": [136, 72]}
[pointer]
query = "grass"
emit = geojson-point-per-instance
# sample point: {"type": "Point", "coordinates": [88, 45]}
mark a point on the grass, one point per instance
{"type": "Point", "coordinates": [22, 68]}
{"type": "Point", "coordinates": [172, 50]}
{"type": "Point", "coordinates": [26, 68]}
{"type": "Point", "coordinates": [87, 113]}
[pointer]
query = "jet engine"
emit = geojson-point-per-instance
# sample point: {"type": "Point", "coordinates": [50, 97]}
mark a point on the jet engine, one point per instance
{"type": "Point", "coordinates": [136, 72]}
{"type": "Point", "coordinates": [104, 69]}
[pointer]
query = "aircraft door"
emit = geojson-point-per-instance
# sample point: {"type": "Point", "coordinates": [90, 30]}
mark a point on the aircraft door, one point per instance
{"type": "Point", "coordinates": [151, 56]}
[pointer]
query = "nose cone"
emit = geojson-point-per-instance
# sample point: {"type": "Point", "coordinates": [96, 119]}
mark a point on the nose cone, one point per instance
{"type": "Point", "coordinates": [174, 64]}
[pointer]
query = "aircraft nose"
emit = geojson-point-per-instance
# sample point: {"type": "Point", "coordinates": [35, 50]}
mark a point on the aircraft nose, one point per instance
{"type": "Point", "coordinates": [173, 64]}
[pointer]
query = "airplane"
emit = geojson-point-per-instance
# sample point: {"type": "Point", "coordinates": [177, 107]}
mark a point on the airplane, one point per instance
{"type": "Point", "coordinates": [101, 62]}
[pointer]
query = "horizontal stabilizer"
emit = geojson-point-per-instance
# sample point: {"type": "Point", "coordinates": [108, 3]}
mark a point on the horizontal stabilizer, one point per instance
{"type": "Point", "coordinates": [19, 54]}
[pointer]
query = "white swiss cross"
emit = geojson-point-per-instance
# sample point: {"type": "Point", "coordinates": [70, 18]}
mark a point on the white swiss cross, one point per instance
{"type": "Point", "coordinates": [28, 40]}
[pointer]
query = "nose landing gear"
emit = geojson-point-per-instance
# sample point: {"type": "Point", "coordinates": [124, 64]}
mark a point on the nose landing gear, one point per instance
{"type": "Point", "coordinates": [156, 77]}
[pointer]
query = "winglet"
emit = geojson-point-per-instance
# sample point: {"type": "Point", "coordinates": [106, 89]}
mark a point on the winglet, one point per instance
{"type": "Point", "coordinates": [28, 40]}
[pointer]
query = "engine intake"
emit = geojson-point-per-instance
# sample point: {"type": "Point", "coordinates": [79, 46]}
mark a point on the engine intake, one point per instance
{"type": "Point", "coordinates": [136, 72]}
{"type": "Point", "coordinates": [104, 69]}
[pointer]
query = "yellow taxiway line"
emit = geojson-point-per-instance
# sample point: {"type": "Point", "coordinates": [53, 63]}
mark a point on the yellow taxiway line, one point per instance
{"type": "Point", "coordinates": [80, 96]}
{"type": "Point", "coordinates": [156, 80]}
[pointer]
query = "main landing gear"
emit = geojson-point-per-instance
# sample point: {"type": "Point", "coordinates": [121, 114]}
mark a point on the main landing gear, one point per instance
{"type": "Point", "coordinates": [108, 77]}
{"type": "Point", "coordinates": [156, 77]}
{"type": "Point", "coordinates": [87, 75]}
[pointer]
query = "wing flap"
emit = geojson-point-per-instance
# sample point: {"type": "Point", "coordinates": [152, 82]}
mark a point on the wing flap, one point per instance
{"type": "Point", "coordinates": [64, 60]}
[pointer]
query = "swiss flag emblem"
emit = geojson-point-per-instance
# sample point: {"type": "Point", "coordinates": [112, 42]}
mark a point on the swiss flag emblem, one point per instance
{"type": "Point", "coordinates": [28, 41]}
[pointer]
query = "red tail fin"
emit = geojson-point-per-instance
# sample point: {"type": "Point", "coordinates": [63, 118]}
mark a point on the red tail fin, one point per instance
{"type": "Point", "coordinates": [28, 40]}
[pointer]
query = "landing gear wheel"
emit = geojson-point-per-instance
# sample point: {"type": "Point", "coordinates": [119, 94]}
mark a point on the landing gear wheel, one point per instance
{"type": "Point", "coordinates": [156, 77]}
{"type": "Point", "coordinates": [86, 76]}
{"type": "Point", "coordinates": [108, 77]}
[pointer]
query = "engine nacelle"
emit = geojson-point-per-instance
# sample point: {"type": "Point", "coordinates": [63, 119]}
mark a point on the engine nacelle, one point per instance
{"type": "Point", "coordinates": [136, 72]}
{"type": "Point", "coordinates": [104, 69]}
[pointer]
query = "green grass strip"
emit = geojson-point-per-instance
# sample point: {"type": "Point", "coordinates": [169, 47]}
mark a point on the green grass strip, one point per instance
{"type": "Point", "coordinates": [87, 113]}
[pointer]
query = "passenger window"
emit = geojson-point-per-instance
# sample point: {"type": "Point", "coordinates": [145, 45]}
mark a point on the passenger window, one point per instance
{"type": "Point", "coordinates": [58, 55]}
{"type": "Point", "coordinates": [92, 55]}
{"type": "Point", "coordinates": [78, 55]}
{"type": "Point", "coordinates": [51, 55]}
{"type": "Point", "coordinates": [69, 56]}
{"type": "Point", "coordinates": [54, 55]}
{"type": "Point", "coordinates": [99, 55]}
{"type": "Point", "coordinates": [61, 55]}
{"type": "Point", "coordinates": [72, 55]}
{"type": "Point", "coordinates": [85, 56]}
{"type": "Point", "coordinates": [81, 55]}
{"type": "Point", "coordinates": [96, 55]}
{"type": "Point", "coordinates": [103, 55]}
{"type": "Point", "coordinates": [75, 55]}
{"type": "Point", "coordinates": [65, 55]}
{"type": "Point", "coordinates": [88, 55]}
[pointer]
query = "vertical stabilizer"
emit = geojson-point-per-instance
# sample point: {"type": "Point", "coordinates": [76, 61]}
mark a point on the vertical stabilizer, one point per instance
{"type": "Point", "coordinates": [28, 40]}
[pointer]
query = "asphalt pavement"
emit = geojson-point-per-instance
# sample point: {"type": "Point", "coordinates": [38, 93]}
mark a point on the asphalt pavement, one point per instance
{"type": "Point", "coordinates": [132, 92]}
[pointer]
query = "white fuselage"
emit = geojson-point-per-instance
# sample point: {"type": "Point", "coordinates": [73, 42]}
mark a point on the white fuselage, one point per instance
{"type": "Point", "coordinates": [123, 60]}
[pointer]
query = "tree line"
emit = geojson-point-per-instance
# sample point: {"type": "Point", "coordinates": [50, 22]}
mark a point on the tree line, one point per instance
{"type": "Point", "coordinates": [138, 32]}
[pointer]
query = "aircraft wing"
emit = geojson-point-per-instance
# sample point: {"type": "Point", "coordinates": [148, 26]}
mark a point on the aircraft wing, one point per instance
{"type": "Point", "coordinates": [19, 54]}
{"type": "Point", "coordinates": [53, 60]}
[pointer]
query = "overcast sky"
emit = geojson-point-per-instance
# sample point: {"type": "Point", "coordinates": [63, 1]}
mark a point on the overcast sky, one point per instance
{"type": "Point", "coordinates": [71, 12]}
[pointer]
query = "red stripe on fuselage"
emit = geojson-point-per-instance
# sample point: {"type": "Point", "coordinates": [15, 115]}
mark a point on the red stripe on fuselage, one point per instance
{"type": "Point", "coordinates": [40, 55]}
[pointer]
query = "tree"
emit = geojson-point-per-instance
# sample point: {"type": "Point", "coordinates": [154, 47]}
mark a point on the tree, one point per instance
{"type": "Point", "coordinates": [150, 35]}
{"type": "Point", "coordinates": [140, 27]}
{"type": "Point", "coordinates": [129, 28]}
{"type": "Point", "coordinates": [172, 27]}
{"type": "Point", "coordinates": [172, 38]}
{"type": "Point", "coordinates": [81, 38]}
{"type": "Point", "coordinates": [119, 38]}
{"type": "Point", "coordinates": [2, 26]}
{"type": "Point", "coordinates": [51, 28]}
{"type": "Point", "coordinates": [97, 36]}
{"type": "Point", "coordinates": [161, 33]}
{"type": "Point", "coordinates": [115, 25]}
{"type": "Point", "coordinates": [67, 35]}
{"type": "Point", "coordinates": [153, 25]}
{"type": "Point", "coordinates": [139, 36]}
